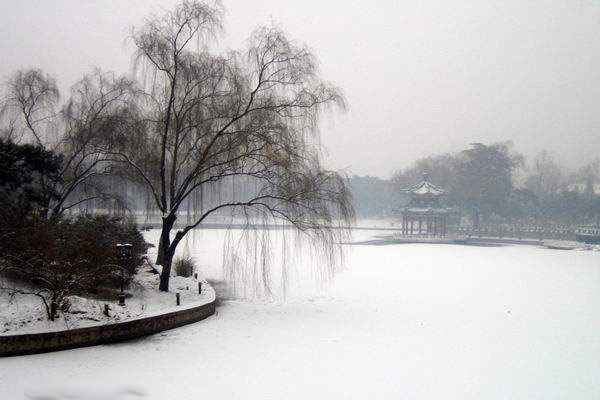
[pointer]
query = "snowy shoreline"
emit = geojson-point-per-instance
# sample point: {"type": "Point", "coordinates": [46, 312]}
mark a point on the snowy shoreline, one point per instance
{"type": "Point", "coordinates": [25, 344]}
{"type": "Point", "coordinates": [24, 314]}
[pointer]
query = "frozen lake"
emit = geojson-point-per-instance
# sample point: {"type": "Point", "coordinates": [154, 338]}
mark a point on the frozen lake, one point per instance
{"type": "Point", "coordinates": [401, 321]}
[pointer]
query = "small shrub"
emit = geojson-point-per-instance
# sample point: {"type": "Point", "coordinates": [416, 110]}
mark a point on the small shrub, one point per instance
{"type": "Point", "coordinates": [60, 257]}
{"type": "Point", "coordinates": [65, 305]}
{"type": "Point", "coordinates": [184, 266]}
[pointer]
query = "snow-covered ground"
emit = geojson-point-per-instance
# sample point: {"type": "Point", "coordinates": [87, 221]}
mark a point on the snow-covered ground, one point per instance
{"type": "Point", "coordinates": [413, 321]}
{"type": "Point", "coordinates": [23, 314]}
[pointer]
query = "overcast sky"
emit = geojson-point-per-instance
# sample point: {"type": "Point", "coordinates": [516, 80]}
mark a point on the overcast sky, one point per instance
{"type": "Point", "coordinates": [420, 76]}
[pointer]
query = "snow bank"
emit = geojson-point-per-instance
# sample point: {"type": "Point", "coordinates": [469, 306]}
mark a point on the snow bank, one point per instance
{"type": "Point", "coordinates": [23, 314]}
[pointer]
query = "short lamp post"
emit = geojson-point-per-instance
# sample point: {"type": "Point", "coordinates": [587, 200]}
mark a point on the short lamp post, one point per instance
{"type": "Point", "coordinates": [124, 254]}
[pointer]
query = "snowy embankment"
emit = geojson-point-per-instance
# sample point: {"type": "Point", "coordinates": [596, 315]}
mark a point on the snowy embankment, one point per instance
{"type": "Point", "coordinates": [409, 321]}
{"type": "Point", "coordinates": [570, 245]}
{"type": "Point", "coordinates": [24, 314]}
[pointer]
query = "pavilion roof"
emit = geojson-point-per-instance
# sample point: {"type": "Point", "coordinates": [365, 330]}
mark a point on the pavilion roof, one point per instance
{"type": "Point", "coordinates": [426, 210]}
{"type": "Point", "coordinates": [425, 188]}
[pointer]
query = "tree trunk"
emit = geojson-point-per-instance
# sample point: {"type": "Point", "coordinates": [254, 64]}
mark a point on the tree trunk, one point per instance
{"type": "Point", "coordinates": [165, 237]}
{"type": "Point", "coordinates": [53, 309]}
{"type": "Point", "coordinates": [166, 252]}
{"type": "Point", "coordinates": [165, 275]}
{"type": "Point", "coordinates": [160, 252]}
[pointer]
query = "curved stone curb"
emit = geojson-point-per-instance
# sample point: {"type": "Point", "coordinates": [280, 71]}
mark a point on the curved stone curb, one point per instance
{"type": "Point", "coordinates": [69, 339]}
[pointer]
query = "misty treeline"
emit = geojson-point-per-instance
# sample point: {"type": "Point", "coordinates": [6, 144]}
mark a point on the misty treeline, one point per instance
{"type": "Point", "coordinates": [492, 184]}
{"type": "Point", "coordinates": [192, 130]}
{"type": "Point", "coordinates": [373, 197]}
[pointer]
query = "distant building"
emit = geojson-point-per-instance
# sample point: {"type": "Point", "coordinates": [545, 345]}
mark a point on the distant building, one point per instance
{"type": "Point", "coordinates": [424, 215]}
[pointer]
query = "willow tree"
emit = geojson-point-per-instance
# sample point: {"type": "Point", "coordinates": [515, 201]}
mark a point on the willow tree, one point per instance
{"type": "Point", "coordinates": [244, 117]}
{"type": "Point", "coordinates": [77, 129]}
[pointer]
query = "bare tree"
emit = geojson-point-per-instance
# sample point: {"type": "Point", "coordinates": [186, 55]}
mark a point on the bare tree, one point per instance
{"type": "Point", "coordinates": [52, 279]}
{"type": "Point", "coordinates": [244, 117]}
{"type": "Point", "coordinates": [52, 287]}
{"type": "Point", "coordinates": [98, 104]}
{"type": "Point", "coordinates": [30, 105]}
{"type": "Point", "coordinates": [547, 175]}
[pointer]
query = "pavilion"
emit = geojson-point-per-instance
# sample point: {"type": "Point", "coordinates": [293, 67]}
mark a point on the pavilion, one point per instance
{"type": "Point", "coordinates": [424, 216]}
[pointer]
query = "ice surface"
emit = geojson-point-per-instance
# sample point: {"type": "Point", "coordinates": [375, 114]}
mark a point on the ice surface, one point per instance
{"type": "Point", "coordinates": [412, 321]}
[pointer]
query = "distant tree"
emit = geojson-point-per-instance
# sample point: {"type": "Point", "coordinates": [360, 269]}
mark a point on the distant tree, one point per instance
{"type": "Point", "coordinates": [547, 176]}
{"type": "Point", "coordinates": [522, 204]}
{"type": "Point", "coordinates": [441, 169]}
{"type": "Point", "coordinates": [594, 210]}
{"type": "Point", "coordinates": [589, 191]}
{"type": "Point", "coordinates": [567, 207]}
{"type": "Point", "coordinates": [372, 196]}
{"type": "Point", "coordinates": [590, 171]}
{"type": "Point", "coordinates": [241, 118]}
{"type": "Point", "coordinates": [485, 178]}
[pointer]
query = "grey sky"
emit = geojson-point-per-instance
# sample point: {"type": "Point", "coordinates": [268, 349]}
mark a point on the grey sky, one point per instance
{"type": "Point", "coordinates": [420, 76]}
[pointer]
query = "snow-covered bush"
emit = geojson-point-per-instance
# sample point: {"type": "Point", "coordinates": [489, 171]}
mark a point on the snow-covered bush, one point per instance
{"type": "Point", "coordinates": [184, 266]}
{"type": "Point", "coordinates": [53, 259]}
